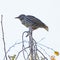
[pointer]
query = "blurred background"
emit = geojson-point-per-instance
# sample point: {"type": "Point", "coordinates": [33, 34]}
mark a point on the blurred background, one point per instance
{"type": "Point", "coordinates": [47, 11]}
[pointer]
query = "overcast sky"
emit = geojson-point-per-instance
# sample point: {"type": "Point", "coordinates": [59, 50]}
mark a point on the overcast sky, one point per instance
{"type": "Point", "coordinates": [47, 11]}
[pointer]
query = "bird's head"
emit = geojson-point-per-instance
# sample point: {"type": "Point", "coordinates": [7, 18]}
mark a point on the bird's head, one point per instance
{"type": "Point", "coordinates": [21, 17]}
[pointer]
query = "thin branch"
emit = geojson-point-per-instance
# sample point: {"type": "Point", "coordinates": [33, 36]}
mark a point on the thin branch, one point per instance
{"type": "Point", "coordinates": [44, 51]}
{"type": "Point", "coordinates": [28, 56]}
{"type": "Point", "coordinates": [46, 47]}
{"type": "Point", "coordinates": [16, 44]}
{"type": "Point", "coordinates": [23, 43]}
{"type": "Point", "coordinates": [12, 47]}
{"type": "Point", "coordinates": [20, 52]}
{"type": "Point", "coordinates": [42, 54]}
{"type": "Point", "coordinates": [3, 36]}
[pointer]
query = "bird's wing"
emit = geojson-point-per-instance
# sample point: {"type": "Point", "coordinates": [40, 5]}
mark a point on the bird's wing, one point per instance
{"type": "Point", "coordinates": [36, 20]}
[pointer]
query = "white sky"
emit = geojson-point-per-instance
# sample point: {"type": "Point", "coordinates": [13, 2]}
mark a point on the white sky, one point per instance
{"type": "Point", "coordinates": [46, 10]}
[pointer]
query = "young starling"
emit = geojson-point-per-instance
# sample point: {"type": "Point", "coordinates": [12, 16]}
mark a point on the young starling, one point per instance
{"type": "Point", "coordinates": [32, 21]}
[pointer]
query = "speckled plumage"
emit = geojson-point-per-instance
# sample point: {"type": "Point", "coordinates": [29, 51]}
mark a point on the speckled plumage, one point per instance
{"type": "Point", "coordinates": [29, 20]}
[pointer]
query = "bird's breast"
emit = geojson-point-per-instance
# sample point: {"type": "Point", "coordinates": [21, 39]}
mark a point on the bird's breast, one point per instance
{"type": "Point", "coordinates": [27, 23]}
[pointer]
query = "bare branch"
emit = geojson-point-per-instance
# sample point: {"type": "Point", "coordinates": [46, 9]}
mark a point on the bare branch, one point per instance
{"type": "Point", "coordinates": [3, 36]}
{"type": "Point", "coordinates": [46, 47]}
{"type": "Point", "coordinates": [20, 52]}
{"type": "Point", "coordinates": [42, 54]}
{"type": "Point", "coordinates": [11, 48]}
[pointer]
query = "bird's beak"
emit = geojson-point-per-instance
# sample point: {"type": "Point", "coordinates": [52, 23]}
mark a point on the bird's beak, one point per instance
{"type": "Point", "coordinates": [16, 17]}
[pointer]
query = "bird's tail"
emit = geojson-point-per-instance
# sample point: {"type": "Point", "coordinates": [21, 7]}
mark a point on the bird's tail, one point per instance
{"type": "Point", "coordinates": [46, 28]}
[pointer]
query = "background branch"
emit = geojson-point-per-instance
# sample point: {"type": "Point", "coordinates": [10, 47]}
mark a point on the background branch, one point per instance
{"type": "Point", "coordinates": [3, 36]}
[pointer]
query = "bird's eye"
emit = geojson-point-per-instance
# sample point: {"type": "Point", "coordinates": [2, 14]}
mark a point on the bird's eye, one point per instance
{"type": "Point", "coordinates": [21, 18]}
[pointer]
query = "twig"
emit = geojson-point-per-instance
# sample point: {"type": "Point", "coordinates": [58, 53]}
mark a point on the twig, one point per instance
{"type": "Point", "coordinates": [3, 36]}
{"type": "Point", "coordinates": [17, 43]}
{"type": "Point", "coordinates": [20, 52]}
{"type": "Point", "coordinates": [28, 56]}
{"type": "Point", "coordinates": [44, 51]}
{"type": "Point", "coordinates": [42, 54]}
{"type": "Point", "coordinates": [11, 48]}
{"type": "Point", "coordinates": [23, 43]}
{"type": "Point", "coordinates": [46, 47]}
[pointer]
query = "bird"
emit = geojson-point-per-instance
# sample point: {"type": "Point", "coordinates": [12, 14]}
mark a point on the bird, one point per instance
{"type": "Point", "coordinates": [29, 20]}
